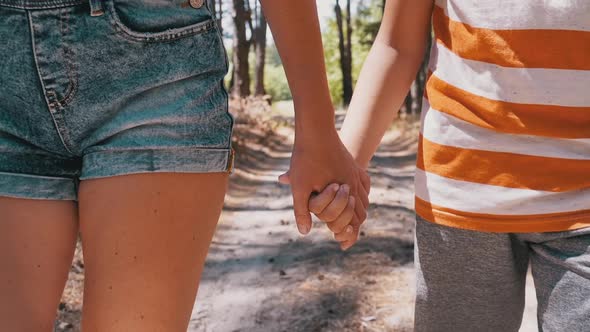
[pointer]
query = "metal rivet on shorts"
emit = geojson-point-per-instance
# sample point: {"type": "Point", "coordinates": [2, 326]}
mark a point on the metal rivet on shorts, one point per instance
{"type": "Point", "coordinates": [197, 3]}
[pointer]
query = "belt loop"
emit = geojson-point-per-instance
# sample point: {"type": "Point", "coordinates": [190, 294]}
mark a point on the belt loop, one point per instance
{"type": "Point", "coordinates": [96, 8]}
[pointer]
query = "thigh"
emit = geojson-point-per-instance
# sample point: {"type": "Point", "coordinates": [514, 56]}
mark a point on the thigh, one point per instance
{"type": "Point", "coordinates": [145, 238]}
{"type": "Point", "coordinates": [561, 270]}
{"type": "Point", "coordinates": [467, 280]}
{"type": "Point", "coordinates": [37, 242]}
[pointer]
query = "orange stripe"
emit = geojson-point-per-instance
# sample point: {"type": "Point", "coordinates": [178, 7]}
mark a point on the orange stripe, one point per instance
{"type": "Point", "coordinates": [503, 169]}
{"type": "Point", "coordinates": [527, 119]}
{"type": "Point", "coordinates": [429, 74]}
{"type": "Point", "coordinates": [539, 48]}
{"type": "Point", "coordinates": [553, 222]}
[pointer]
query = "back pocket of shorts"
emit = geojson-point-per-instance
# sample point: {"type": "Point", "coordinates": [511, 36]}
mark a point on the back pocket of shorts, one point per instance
{"type": "Point", "coordinates": [159, 20]}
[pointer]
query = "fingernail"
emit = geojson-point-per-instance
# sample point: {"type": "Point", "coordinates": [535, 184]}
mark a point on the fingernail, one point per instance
{"type": "Point", "coordinates": [348, 229]}
{"type": "Point", "coordinates": [346, 188]}
{"type": "Point", "coordinates": [335, 187]}
{"type": "Point", "coordinates": [303, 229]}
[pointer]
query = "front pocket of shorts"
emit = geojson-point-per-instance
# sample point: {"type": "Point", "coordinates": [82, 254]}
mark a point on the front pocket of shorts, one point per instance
{"type": "Point", "coordinates": [158, 20]}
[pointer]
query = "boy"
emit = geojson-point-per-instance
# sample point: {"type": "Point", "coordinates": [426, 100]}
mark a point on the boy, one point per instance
{"type": "Point", "coordinates": [503, 170]}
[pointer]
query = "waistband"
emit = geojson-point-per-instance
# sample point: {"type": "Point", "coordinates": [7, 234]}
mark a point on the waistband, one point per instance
{"type": "Point", "coordinates": [40, 4]}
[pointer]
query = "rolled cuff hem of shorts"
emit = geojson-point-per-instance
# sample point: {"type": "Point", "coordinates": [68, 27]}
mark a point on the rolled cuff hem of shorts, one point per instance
{"type": "Point", "coordinates": [37, 187]}
{"type": "Point", "coordinates": [109, 163]}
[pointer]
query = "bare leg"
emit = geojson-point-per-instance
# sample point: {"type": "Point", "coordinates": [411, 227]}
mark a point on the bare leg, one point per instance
{"type": "Point", "coordinates": [37, 242]}
{"type": "Point", "coordinates": [145, 238]}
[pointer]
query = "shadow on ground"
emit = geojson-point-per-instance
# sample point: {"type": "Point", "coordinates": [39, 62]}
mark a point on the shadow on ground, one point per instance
{"type": "Point", "coordinates": [272, 279]}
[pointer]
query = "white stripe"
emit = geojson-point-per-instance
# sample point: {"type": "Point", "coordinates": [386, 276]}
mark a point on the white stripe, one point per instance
{"type": "Point", "coordinates": [517, 85]}
{"type": "Point", "coordinates": [481, 198]}
{"type": "Point", "coordinates": [520, 14]}
{"type": "Point", "coordinates": [445, 129]}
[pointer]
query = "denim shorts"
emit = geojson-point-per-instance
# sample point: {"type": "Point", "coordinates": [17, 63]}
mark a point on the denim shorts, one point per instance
{"type": "Point", "coordinates": [136, 87]}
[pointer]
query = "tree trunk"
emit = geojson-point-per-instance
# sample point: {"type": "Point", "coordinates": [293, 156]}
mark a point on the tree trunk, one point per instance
{"type": "Point", "coordinates": [423, 75]}
{"type": "Point", "coordinates": [348, 88]}
{"type": "Point", "coordinates": [220, 14]}
{"type": "Point", "coordinates": [413, 103]}
{"type": "Point", "coordinates": [260, 42]}
{"type": "Point", "coordinates": [416, 97]}
{"type": "Point", "coordinates": [345, 47]}
{"type": "Point", "coordinates": [241, 46]}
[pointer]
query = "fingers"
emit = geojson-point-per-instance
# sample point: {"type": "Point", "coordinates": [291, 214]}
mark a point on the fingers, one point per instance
{"type": "Point", "coordinates": [339, 224]}
{"type": "Point", "coordinates": [362, 192]}
{"type": "Point", "coordinates": [319, 203]}
{"type": "Point", "coordinates": [284, 178]}
{"type": "Point", "coordinates": [360, 214]}
{"type": "Point", "coordinates": [363, 196]}
{"type": "Point", "coordinates": [300, 199]}
{"type": "Point", "coordinates": [348, 237]}
{"type": "Point", "coordinates": [337, 206]}
{"type": "Point", "coordinates": [365, 181]}
{"type": "Point", "coordinates": [364, 188]}
{"type": "Point", "coordinates": [302, 216]}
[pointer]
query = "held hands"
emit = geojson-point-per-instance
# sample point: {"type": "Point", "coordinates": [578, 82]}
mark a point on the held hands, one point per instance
{"type": "Point", "coordinates": [335, 207]}
{"type": "Point", "coordinates": [315, 163]}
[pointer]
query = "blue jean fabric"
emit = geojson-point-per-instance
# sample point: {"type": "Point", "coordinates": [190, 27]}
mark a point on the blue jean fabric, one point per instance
{"type": "Point", "coordinates": [137, 89]}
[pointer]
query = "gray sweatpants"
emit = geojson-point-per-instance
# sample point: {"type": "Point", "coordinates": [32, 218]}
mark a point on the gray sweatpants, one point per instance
{"type": "Point", "coordinates": [471, 281]}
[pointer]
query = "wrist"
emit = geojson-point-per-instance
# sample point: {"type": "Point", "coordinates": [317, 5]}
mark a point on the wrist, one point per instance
{"type": "Point", "coordinates": [323, 136]}
{"type": "Point", "coordinates": [354, 146]}
{"type": "Point", "coordinates": [314, 121]}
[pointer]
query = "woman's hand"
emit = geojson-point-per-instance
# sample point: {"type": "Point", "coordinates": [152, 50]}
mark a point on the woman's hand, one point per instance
{"type": "Point", "coordinates": [319, 157]}
{"type": "Point", "coordinates": [336, 208]}
{"type": "Point", "coordinates": [341, 207]}
{"type": "Point", "coordinates": [317, 162]}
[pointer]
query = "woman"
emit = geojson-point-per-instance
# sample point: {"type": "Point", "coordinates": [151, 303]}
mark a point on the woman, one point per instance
{"type": "Point", "coordinates": [503, 173]}
{"type": "Point", "coordinates": [114, 124]}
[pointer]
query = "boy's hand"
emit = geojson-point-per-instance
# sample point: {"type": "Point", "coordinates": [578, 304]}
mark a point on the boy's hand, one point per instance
{"type": "Point", "coordinates": [314, 166]}
{"type": "Point", "coordinates": [336, 207]}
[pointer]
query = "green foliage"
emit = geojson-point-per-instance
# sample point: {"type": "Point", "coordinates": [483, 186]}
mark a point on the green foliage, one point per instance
{"type": "Point", "coordinates": [276, 83]}
{"type": "Point", "coordinates": [332, 56]}
{"type": "Point", "coordinates": [275, 80]}
{"type": "Point", "coordinates": [366, 23]}
{"type": "Point", "coordinates": [272, 56]}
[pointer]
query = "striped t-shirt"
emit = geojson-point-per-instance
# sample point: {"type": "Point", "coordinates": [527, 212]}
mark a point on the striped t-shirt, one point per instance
{"type": "Point", "coordinates": [505, 138]}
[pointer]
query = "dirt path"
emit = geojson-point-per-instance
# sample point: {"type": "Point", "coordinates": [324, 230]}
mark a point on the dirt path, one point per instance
{"type": "Point", "coordinates": [261, 276]}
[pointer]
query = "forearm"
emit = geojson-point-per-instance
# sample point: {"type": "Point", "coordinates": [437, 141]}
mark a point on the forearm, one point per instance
{"type": "Point", "coordinates": [382, 87]}
{"type": "Point", "coordinates": [295, 28]}
{"type": "Point", "coordinates": [390, 68]}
